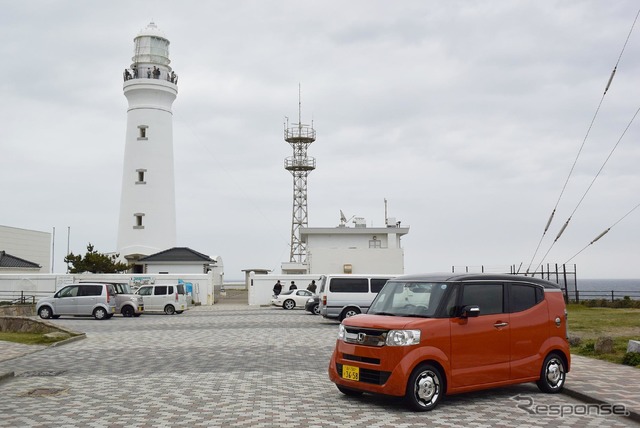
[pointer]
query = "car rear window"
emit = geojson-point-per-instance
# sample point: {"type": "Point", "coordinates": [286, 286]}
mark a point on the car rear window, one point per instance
{"type": "Point", "coordinates": [180, 289]}
{"type": "Point", "coordinates": [90, 290]}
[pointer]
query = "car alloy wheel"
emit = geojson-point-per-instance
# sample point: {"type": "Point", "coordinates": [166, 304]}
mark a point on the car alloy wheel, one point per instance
{"type": "Point", "coordinates": [425, 388]}
{"type": "Point", "coordinates": [45, 312]}
{"type": "Point", "coordinates": [100, 313]}
{"type": "Point", "coordinates": [553, 374]}
{"type": "Point", "coordinates": [289, 304]}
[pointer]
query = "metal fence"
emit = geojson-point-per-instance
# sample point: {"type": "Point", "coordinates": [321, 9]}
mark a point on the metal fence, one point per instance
{"type": "Point", "coordinates": [612, 295]}
{"type": "Point", "coordinates": [15, 297]}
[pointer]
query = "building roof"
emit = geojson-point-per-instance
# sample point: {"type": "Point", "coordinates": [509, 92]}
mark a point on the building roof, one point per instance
{"type": "Point", "coordinates": [9, 261]}
{"type": "Point", "coordinates": [353, 230]}
{"type": "Point", "coordinates": [177, 254]}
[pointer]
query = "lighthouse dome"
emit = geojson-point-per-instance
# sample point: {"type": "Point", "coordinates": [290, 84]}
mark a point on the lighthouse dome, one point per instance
{"type": "Point", "coordinates": [151, 48]}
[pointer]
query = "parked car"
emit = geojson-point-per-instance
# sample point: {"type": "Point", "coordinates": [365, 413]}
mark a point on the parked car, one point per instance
{"type": "Point", "coordinates": [291, 298]}
{"type": "Point", "coordinates": [313, 305]}
{"type": "Point", "coordinates": [427, 336]}
{"type": "Point", "coordinates": [79, 299]}
{"type": "Point", "coordinates": [127, 303]}
{"type": "Point", "coordinates": [170, 299]}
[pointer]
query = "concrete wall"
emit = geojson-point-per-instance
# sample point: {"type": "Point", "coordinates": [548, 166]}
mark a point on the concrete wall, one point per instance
{"type": "Point", "coordinates": [205, 288]}
{"type": "Point", "coordinates": [363, 260]}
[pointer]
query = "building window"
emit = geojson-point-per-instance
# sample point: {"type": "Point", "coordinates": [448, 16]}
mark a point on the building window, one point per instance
{"type": "Point", "coordinates": [375, 243]}
{"type": "Point", "coordinates": [142, 132]}
{"type": "Point", "coordinates": [141, 173]}
{"type": "Point", "coordinates": [138, 224]}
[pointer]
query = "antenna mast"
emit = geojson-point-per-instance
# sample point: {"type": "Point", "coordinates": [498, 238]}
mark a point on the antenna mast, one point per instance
{"type": "Point", "coordinates": [299, 137]}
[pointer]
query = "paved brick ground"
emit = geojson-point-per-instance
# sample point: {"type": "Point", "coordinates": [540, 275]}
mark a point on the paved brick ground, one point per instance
{"type": "Point", "coordinates": [236, 366]}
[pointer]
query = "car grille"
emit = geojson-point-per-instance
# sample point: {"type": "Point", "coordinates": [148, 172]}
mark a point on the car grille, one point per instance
{"type": "Point", "coordinates": [365, 336]}
{"type": "Point", "coordinates": [375, 377]}
{"type": "Point", "coordinates": [361, 359]}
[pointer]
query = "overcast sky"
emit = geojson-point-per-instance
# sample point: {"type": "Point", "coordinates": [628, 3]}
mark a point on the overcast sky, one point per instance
{"type": "Point", "coordinates": [465, 115]}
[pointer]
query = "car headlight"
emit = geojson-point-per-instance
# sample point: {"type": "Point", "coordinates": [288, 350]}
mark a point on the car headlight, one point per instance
{"type": "Point", "coordinates": [341, 332]}
{"type": "Point", "coordinates": [403, 337]}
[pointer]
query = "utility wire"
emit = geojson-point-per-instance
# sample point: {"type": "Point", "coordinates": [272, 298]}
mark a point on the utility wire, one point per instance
{"type": "Point", "coordinates": [613, 72]}
{"type": "Point", "coordinates": [589, 188]}
{"type": "Point", "coordinates": [602, 234]}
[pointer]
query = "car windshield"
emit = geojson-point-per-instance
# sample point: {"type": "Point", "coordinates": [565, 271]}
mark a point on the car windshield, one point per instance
{"type": "Point", "coordinates": [418, 299]}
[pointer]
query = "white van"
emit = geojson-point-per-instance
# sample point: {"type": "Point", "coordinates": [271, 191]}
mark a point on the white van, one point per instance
{"type": "Point", "coordinates": [342, 296]}
{"type": "Point", "coordinates": [170, 299]}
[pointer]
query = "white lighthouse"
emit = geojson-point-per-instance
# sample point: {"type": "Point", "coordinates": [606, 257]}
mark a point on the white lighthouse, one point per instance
{"type": "Point", "coordinates": [147, 222]}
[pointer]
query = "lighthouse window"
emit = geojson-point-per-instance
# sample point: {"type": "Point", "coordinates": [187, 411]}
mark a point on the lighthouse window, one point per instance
{"type": "Point", "coordinates": [142, 132]}
{"type": "Point", "coordinates": [138, 224]}
{"type": "Point", "coordinates": [141, 176]}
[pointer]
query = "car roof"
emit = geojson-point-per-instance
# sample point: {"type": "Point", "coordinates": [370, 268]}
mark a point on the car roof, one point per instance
{"type": "Point", "coordinates": [466, 277]}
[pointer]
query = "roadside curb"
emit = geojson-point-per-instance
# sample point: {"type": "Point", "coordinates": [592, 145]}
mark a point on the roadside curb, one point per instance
{"type": "Point", "coordinates": [590, 399]}
{"type": "Point", "coordinates": [5, 376]}
{"type": "Point", "coordinates": [79, 336]}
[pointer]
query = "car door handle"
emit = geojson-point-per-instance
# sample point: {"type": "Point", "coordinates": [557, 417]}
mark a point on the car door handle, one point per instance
{"type": "Point", "coordinates": [501, 324]}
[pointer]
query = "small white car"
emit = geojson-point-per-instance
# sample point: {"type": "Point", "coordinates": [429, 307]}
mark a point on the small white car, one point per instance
{"type": "Point", "coordinates": [170, 299]}
{"type": "Point", "coordinates": [292, 298]}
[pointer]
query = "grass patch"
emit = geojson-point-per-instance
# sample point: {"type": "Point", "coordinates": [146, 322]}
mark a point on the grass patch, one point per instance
{"type": "Point", "coordinates": [588, 324]}
{"type": "Point", "coordinates": [27, 338]}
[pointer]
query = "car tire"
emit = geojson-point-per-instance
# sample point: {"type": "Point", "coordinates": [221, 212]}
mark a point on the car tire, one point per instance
{"type": "Point", "coordinates": [100, 313]}
{"type": "Point", "coordinates": [288, 304]}
{"type": "Point", "coordinates": [169, 310]}
{"type": "Point", "coordinates": [348, 391]}
{"type": "Point", "coordinates": [315, 310]}
{"type": "Point", "coordinates": [127, 311]}
{"type": "Point", "coordinates": [425, 388]}
{"type": "Point", "coordinates": [45, 312]}
{"type": "Point", "coordinates": [349, 312]}
{"type": "Point", "coordinates": [552, 374]}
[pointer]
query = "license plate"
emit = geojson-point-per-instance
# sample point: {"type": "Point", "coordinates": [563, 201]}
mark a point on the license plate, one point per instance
{"type": "Point", "coordinates": [351, 372]}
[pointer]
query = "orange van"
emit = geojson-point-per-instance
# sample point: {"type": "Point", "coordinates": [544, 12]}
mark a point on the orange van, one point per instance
{"type": "Point", "coordinates": [426, 336]}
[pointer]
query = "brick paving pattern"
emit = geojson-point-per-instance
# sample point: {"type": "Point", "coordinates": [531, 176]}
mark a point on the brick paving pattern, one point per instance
{"type": "Point", "coordinates": [239, 366]}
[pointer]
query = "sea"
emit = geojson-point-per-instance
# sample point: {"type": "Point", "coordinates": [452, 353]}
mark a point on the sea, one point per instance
{"type": "Point", "coordinates": [605, 288]}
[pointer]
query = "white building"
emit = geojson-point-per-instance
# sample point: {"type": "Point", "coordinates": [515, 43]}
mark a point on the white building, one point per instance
{"type": "Point", "coordinates": [23, 250]}
{"type": "Point", "coordinates": [147, 221]}
{"type": "Point", "coordinates": [181, 260]}
{"type": "Point", "coordinates": [357, 250]}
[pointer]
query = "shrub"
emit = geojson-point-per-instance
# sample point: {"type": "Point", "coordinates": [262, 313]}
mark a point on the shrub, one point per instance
{"type": "Point", "coordinates": [631, 359]}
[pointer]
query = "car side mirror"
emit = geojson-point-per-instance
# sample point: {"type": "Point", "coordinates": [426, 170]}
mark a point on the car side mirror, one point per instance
{"type": "Point", "coordinates": [470, 311]}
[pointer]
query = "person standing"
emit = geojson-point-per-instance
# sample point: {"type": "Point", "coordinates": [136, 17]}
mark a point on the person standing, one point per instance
{"type": "Point", "coordinates": [277, 288]}
{"type": "Point", "coordinates": [293, 286]}
{"type": "Point", "coordinates": [312, 287]}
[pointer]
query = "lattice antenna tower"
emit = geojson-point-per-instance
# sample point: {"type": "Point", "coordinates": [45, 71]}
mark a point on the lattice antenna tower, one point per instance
{"type": "Point", "coordinates": [299, 136]}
